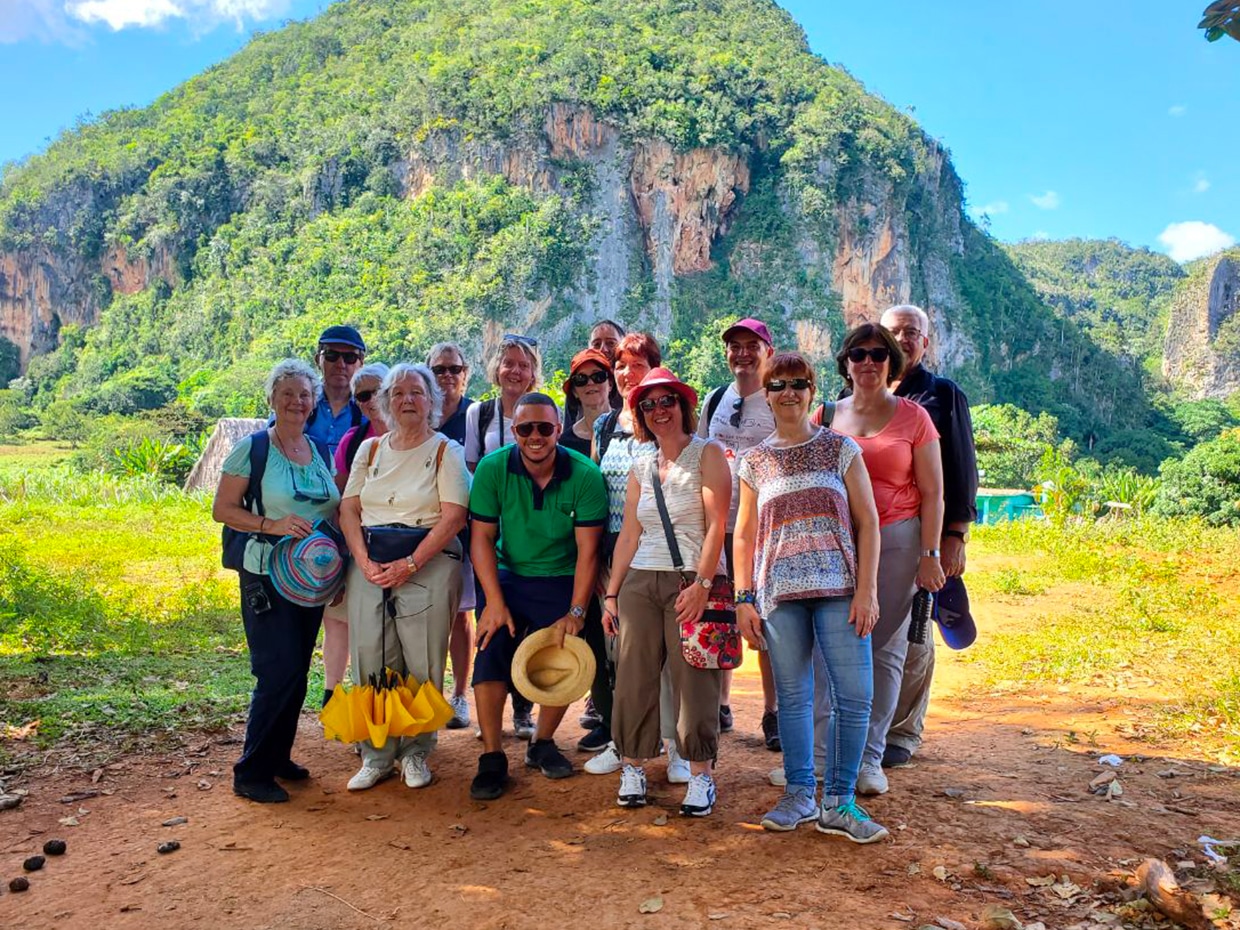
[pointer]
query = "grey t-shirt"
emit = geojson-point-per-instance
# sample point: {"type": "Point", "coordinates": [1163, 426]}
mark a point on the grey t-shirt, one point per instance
{"type": "Point", "coordinates": [755, 423]}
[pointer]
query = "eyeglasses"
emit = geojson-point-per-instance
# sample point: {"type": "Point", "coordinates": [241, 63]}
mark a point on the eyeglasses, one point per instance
{"type": "Point", "coordinates": [779, 384]}
{"type": "Point", "coordinates": [520, 340]}
{"type": "Point", "coordinates": [526, 430]}
{"type": "Point", "coordinates": [877, 355]}
{"type": "Point", "coordinates": [667, 401]}
{"type": "Point", "coordinates": [906, 332]}
{"type": "Point", "coordinates": [321, 497]}
{"type": "Point", "coordinates": [333, 355]}
{"type": "Point", "coordinates": [581, 380]}
{"type": "Point", "coordinates": [364, 396]}
{"type": "Point", "coordinates": [441, 370]}
{"type": "Point", "coordinates": [735, 419]}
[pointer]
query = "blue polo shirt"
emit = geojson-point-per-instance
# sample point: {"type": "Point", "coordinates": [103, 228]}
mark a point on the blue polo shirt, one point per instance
{"type": "Point", "coordinates": [330, 428]}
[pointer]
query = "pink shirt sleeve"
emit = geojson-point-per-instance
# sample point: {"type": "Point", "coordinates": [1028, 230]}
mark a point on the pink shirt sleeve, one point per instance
{"type": "Point", "coordinates": [923, 430]}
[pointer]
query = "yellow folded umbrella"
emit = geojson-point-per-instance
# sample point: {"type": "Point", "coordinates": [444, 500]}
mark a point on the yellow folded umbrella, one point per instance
{"type": "Point", "coordinates": [387, 706]}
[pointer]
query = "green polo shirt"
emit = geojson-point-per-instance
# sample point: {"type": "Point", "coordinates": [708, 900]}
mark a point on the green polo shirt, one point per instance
{"type": "Point", "coordinates": [537, 526]}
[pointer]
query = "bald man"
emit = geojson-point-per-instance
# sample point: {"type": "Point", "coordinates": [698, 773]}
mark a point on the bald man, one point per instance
{"type": "Point", "coordinates": [949, 409]}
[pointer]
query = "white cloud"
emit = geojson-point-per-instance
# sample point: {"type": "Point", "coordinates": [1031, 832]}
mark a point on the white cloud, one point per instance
{"type": "Point", "coordinates": [1178, 110]}
{"type": "Point", "coordinates": [993, 208]}
{"type": "Point", "coordinates": [120, 14]}
{"type": "Point", "coordinates": [1041, 236]}
{"type": "Point", "coordinates": [1201, 184]}
{"type": "Point", "coordinates": [1047, 201]}
{"type": "Point", "coordinates": [42, 20]}
{"type": "Point", "coordinates": [1194, 239]}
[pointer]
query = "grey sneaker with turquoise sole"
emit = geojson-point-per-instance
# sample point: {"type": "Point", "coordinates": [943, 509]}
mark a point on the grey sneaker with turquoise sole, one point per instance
{"type": "Point", "coordinates": [851, 821]}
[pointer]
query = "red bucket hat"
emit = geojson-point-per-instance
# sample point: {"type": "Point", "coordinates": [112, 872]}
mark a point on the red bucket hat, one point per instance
{"type": "Point", "coordinates": [584, 357]}
{"type": "Point", "coordinates": [661, 377]}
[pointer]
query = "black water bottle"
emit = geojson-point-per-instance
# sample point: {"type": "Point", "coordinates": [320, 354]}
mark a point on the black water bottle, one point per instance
{"type": "Point", "coordinates": [923, 610]}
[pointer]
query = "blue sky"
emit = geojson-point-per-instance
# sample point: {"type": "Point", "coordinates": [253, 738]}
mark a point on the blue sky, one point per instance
{"type": "Point", "coordinates": [1063, 118]}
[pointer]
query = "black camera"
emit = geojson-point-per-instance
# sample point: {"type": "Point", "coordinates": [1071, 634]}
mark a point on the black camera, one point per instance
{"type": "Point", "coordinates": [256, 598]}
{"type": "Point", "coordinates": [923, 612]}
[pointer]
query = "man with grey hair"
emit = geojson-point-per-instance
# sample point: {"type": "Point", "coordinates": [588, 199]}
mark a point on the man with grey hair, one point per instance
{"type": "Point", "coordinates": [949, 410]}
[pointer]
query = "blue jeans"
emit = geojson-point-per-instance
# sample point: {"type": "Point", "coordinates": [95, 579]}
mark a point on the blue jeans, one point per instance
{"type": "Point", "coordinates": [793, 630]}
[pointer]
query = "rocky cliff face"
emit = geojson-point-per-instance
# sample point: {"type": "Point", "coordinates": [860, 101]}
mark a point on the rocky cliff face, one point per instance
{"type": "Point", "coordinates": [1202, 353]}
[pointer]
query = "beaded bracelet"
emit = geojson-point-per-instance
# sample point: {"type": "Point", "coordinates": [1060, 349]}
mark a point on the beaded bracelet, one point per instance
{"type": "Point", "coordinates": [745, 596]}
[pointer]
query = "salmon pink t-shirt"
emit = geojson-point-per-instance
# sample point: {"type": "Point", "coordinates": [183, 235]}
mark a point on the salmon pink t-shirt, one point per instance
{"type": "Point", "coordinates": [888, 458]}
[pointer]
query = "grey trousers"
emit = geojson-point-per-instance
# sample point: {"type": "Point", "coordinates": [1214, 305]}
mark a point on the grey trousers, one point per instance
{"type": "Point", "coordinates": [897, 583]}
{"type": "Point", "coordinates": [416, 639]}
{"type": "Point", "coordinates": [649, 639]}
{"type": "Point", "coordinates": [910, 716]}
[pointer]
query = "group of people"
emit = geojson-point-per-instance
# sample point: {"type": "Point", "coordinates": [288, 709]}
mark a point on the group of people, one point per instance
{"type": "Point", "coordinates": [661, 528]}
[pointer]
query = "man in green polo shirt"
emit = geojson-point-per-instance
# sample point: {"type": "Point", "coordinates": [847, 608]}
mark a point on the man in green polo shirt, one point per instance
{"type": "Point", "coordinates": [538, 511]}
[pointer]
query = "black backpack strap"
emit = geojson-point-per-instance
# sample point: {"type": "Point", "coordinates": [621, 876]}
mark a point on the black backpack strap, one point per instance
{"type": "Point", "coordinates": [325, 452]}
{"type": "Point", "coordinates": [358, 417]}
{"type": "Point", "coordinates": [486, 413]}
{"type": "Point", "coordinates": [827, 411]}
{"type": "Point", "coordinates": [607, 432]}
{"type": "Point", "coordinates": [260, 448]}
{"type": "Point", "coordinates": [713, 399]}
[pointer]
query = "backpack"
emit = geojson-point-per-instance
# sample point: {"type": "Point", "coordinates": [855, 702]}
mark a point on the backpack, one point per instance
{"type": "Point", "coordinates": [605, 433]}
{"type": "Point", "coordinates": [355, 443]}
{"type": "Point", "coordinates": [713, 400]}
{"type": "Point", "coordinates": [486, 413]}
{"type": "Point", "coordinates": [233, 542]}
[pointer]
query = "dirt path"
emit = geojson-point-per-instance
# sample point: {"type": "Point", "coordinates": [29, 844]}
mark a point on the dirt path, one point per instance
{"type": "Point", "coordinates": [997, 797]}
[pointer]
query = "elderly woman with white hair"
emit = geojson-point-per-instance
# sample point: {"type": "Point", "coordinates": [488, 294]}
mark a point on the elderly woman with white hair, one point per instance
{"type": "Point", "coordinates": [295, 490]}
{"type": "Point", "coordinates": [405, 501]}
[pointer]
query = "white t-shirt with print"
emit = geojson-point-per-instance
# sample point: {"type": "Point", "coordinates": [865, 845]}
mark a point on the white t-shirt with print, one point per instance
{"type": "Point", "coordinates": [404, 486]}
{"type": "Point", "coordinates": [756, 423]}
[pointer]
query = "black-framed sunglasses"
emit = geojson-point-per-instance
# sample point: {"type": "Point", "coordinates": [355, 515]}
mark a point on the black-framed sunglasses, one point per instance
{"type": "Point", "coordinates": [667, 401]}
{"type": "Point", "coordinates": [520, 340]}
{"type": "Point", "coordinates": [526, 430]}
{"type": "Point", "coordinates": [304, 497]}
{"type": "Point", "coordinates": [781, 384]}
{"type": "Point", "coordinates": [581, 380]}
{"type": "Point", "coordinates": [364, 396]}
{"type": "Point", "coordinates": [735, 419]}
{"type": "Point", "coordinates": [877, 355]}
{"type": "Point", "coordinates": [441, 370]}
{"type": "Point", "coordinates": [334, 355]}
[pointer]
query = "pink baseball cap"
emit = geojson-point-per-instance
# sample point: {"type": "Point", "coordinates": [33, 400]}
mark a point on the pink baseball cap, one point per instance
{"type": "Point", "coordinates": [757, 327]}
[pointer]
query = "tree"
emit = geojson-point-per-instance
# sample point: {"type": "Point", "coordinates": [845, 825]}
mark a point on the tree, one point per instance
{"type": "Point", "coordinates": [1205, 483]}
{"type": "Point", "coordinates": [1221, 18]}
{"type": "Point", "coordinates": [1012, 444]}
{"type": "Point", "coordinates": [64, 420]}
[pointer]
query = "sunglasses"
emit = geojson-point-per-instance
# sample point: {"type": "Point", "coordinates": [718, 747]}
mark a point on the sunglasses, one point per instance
{"type": "Point", "coordinates": [441, 370]}
{"type": "Point", "coordinates": [780, 384]}
{"type": "Point", "coordinates": [363, 396]}
{"type": "Point", "coordinates": [735, 419]}
{"type": "Point", "coordinates": [520, 340]}
{"type": "Point", "coordinates": [350, 358]}
{"type": "Point", "coordinates": [876, 355]}
{"type": "Point", "coordinates": [526, 430]}
{"type": "Point", "coordinates": [581, 380]}
{"type": "Point", "coordinates": [303, 497]}
{"type": "Point", "coordinates": [667, 401]}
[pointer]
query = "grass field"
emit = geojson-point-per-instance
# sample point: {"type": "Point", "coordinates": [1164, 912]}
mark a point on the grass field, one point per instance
{"type": "Point", "coordinates": [114, 611]}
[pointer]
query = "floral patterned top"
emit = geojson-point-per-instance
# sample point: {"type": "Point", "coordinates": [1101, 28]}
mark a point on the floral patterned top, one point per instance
{"type": "Point", "coordinates": [804, 546]}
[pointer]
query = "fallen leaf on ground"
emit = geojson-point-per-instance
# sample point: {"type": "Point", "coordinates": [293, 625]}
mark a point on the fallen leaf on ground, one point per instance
{"type": "Point", "coordinates": [650, 906]}
{"type": "Point", "coordinates": [997, 917]}
{"type": "Point", "coordinates": [1066, 890]}
{"type": "Point", "coordinates": [70, 821]}
{"type": "Point", "coordinates": [940, 873]}
{"type": "Point", "coordinates": [23, 732]}
{"type": "Point", "coordinates": [719, 916]}
{"type": "Point", "coordinates": [1102, 778]}
{"type": "Point", "coordinates": [1041, 881]}
{"type": "Point", "coordinates": [174, 821]}
{"type": "Point", "coordinates": [376, 816]}
{"type": "Point", "coordinates": [948, 924]}
{"type": "Point", "coordinates": [661, 820]}
{"type": "Point", "coordinates": [204, 785]}
{"type": "Point", "coordinates": [955, 793]}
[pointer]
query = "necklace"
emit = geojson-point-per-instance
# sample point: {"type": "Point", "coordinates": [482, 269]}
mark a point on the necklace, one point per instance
{"type": "Point", "coordinates": [283, 451]}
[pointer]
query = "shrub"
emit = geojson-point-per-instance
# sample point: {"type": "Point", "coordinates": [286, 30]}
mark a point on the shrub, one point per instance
{"type": "Point", "coordinates": [1204, 483]}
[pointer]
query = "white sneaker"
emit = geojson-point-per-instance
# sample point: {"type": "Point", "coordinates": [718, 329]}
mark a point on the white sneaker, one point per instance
{"type": "Point", "coordinates": [700, 798]}
{"type": "Point", "coordinates": [632, 791]}
{"type": "Point", "coordinates": [777, 777]}
{"type": "Point", "coordinates": [871, 780]}
{"type": "Point", "coordinates": [417, 773]}
{"type": "Point", "coordinates": [605, 762]}
{"type": "Point", "coordinates": [678, 771]}
{"type": "Point", "coordinates": [460, 712]}
{"type": "Point", "coordinates": [368, 776]}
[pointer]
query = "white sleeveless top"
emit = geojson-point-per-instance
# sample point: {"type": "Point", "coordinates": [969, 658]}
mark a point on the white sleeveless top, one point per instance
{"type": "Point", "coordinates": [682, 492]}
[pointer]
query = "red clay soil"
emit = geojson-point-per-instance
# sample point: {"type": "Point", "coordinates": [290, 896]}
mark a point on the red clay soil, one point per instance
{"type": "Point", "coordinates": [1000, 794]}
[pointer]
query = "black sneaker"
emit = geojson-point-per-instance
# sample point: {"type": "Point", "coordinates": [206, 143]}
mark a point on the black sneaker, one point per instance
{"type": "Point", "coordinates": [770, 731]}
{"type": "Point", "coordinates": [262, 792]}
{"type": "Point", "coordinates": [492, 777]}
{"type": "Point", "coordinates": [590, 718]}
{"type": "Point", "coordinates": [596, 740]}
{"type": "Point", "coordinates": [725, 718]}
{"type": "Point", "coordinates": [896, 757]}
{"type": "Point", "coordinates": [543, 755]}
{"type": "Point", "coordinates": [291, 771]}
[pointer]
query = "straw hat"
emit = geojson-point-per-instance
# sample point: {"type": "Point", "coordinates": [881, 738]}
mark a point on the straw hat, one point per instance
{"type": "Point", "coordinates": [307, 571]}
{"type": "Point", "coordinates": [550, 675]}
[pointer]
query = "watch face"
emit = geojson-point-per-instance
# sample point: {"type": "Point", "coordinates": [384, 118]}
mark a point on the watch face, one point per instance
{"type": "Point", "coordinates": [577, 612]}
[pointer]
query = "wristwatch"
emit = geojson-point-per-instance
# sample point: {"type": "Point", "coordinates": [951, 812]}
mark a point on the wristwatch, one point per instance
{"type": "Point", "coordinates": [703, 582]}
{"type": "Point", "coordinates": [576, 612]}
{"type": "Point", "coordinates": [929, 553]}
